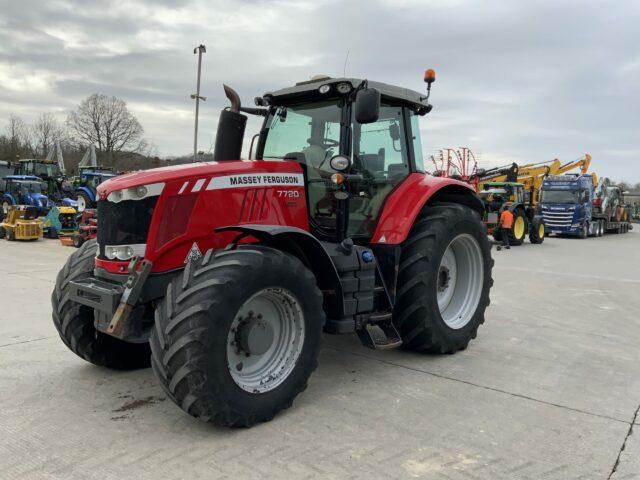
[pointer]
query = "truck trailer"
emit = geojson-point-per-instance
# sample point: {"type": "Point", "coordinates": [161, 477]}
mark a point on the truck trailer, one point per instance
{"type": "Point", "coordinates": [579, 205]}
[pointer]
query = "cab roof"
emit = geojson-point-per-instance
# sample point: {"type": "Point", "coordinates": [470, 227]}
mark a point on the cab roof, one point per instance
{"type": "Point", "coordinates": [310, 88]}
{"type": "Point", "coordinates": [30, 178]}
{"type": "Point", "coordinates": [91, 173]}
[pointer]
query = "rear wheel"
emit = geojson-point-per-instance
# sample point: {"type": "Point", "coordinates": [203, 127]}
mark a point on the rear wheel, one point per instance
{"type": "Point", "coordinates": [537, 232]}
{"type": "Point", "coordinates": [519, 228]}
{"type": "Point", "coordinates": [74, 322]}
{"type": "Point", "coordinates": [444, 280]}
{"type": "Point", "coordinates": [3, 233]}
{"type": "Point", "coordinates": [238, 335]}
{"type": "Point", "coordinates": [11, 234]}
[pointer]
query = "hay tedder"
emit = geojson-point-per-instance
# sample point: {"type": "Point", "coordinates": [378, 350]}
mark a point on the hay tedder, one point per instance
{"type": "Point", "coordinates": [222, 276]}
{"type": "Point", "coordinates": [21, 222]}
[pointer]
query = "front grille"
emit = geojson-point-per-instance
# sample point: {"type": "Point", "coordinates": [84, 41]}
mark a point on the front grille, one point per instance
{"type": "Point", "coordinates": [124, 223]}
{"type": "Point", "coordinates": [557, 219]}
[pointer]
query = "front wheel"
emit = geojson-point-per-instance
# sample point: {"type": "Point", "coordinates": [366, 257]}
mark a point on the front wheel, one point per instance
{"type": "Point", "coordinates": [444, 280]}
{"type": "Point", "coordinates": [584, 233]}
{"type": "Point", "coordinates": [83, 202]}
{"type": "Point", "coordinates": [238, 335]}
{"type": "Point", "coordinates": [519, 228]}
{"type": "Point", "coordinates": [74, 321]}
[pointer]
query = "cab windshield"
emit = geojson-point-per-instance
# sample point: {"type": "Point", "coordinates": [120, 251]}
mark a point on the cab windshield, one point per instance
{"type": "Point", "coordinates": [560, 196]}
{"type": "Point", "coordinates": [26, 188]}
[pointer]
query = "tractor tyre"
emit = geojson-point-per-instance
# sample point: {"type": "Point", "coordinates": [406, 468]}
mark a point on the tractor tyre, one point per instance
{"type": "Point", "coordinates": [519, 228]}
{"type": "Point", "coordinates": [74, 322]}
{"type": "Point", "coordinates": [3, 233]}
{"type": "Point", "coordinates": [84, 202]}
{"type": "Point", "coordinates": [537, 230]}
{"type": "Point", "coordinates": [238, 335]}
{"type": "Point", "coordinates": [11, 234]}
{"type": "Point", "coordinates": [78, 240]}
{"type": "Point", "coordinates": [444, 280]}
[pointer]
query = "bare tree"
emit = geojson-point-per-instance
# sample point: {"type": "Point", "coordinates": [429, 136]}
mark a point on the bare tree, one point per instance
{"type": "Point", "coordinates": [46, 132]}
{"type": "Point", "coordinates": [106, 122]}
{"type": "Point", "coordinates": [18, 138]}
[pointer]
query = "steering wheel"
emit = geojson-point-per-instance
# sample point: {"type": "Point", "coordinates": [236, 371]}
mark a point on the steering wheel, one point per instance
{"type": "Point", "coordinates": [329, 142]}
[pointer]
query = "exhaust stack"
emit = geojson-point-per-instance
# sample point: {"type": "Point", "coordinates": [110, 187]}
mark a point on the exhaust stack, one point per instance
{"type": "Point", "coordinates": [230, 129]}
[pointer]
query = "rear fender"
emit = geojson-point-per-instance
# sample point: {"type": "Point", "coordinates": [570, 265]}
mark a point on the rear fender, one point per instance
{"type": "Point", "coordinates": [411, 196]}
{"type": "Point", "coordinates": [305, 247]}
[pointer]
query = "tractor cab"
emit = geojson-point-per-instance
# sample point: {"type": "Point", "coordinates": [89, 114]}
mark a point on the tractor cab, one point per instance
{"type": "Point", "coordinates": [351, 164]}
{"type": "Point", "coordinates": [40, 168]}
{"type": "Point", "coordinates": [498, 196]}
{"type": "Point", "coordinates": [25, 190]}
{"type": "Point", "coordinates": [87, 185]}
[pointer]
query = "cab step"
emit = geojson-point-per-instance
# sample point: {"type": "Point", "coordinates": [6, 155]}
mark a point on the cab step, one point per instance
{"type": "Point", "coordinates": [379, 333]}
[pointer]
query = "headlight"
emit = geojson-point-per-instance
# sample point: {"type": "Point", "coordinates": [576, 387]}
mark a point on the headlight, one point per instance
{"type": "Point", "coordinates": [324, 89]}
{"type": "Point", "coordinates": [136, 193]}
{"type": "Point", "coordinates": [344, 88]}
{"type": "Point", "coordinates": [141, 192]}
{"type": "Point", "coordinates": [124, 252]}
{"type": "Point", "coordinates": [340, 163]}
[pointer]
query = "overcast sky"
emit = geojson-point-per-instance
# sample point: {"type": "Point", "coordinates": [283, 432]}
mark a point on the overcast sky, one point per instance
{"type": "Point", "coordinates": [523, 81]}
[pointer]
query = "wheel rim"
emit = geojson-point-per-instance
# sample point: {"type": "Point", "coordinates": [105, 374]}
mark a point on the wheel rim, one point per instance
{"type": "Point", "coordinates": [5, 208]}
{"type": "Point", "coordinates": [541, 231]}
{"type": "Point", "coordinates": [81, 203]}
{"type": "Point", "coordinates": [518, 228]}
{"type": "Point", "coordinates": [265, 340]}
{"type": "Point", "coordinates": [460, 281]}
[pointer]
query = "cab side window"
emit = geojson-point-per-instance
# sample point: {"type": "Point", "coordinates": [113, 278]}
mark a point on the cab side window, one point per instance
{"type": "Point", "coordinates": [381, 157]}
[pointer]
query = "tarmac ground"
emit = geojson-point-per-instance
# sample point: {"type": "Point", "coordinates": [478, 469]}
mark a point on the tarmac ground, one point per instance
{"type": "Point", "coordinates": [550, 389]}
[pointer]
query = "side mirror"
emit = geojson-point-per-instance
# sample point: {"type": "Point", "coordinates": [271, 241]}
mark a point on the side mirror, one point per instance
{"type": "Point", "coordinates": [367, 106]}
{"type": "Point", "coordinates": [394, 131]}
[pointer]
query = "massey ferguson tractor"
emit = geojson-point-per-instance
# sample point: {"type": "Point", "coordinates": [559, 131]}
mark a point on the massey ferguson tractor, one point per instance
{"type": "Point", "coordinates": [223, 275]}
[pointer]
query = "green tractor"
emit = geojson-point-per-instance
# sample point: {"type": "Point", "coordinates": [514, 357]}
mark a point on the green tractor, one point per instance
{"type": "Point", "coordinates": [498, 196]}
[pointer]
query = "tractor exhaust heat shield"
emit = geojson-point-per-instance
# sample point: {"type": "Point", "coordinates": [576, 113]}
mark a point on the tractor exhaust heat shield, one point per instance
{"type": "Point", "coordinates": [230, 129]}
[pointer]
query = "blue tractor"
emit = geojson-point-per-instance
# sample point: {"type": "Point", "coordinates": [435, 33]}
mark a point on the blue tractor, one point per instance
{"type": "Point", "coordinates": [25, 190]}
{"type": "Point", "coordinates": [86, 189]}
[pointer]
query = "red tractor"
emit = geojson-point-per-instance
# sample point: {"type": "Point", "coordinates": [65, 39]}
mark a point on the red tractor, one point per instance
{"type": "Point", "coordinates": [224, 275]}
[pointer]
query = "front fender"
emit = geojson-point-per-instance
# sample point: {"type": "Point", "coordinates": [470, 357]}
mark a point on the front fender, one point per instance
{"type": "Point", "coordinates": [87, 192]}
{"type": "Point", "coordinates": [307, 248]}
{"type": "Point", "coordinates": [9, 198]}
{"type": "Point", "coordinates": [405, 202]}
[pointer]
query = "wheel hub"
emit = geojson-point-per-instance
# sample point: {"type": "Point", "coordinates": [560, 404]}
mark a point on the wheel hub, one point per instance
{"type": "Point", "coordinates": [254, 335]}
{"type": "Point", "coordinates": [443, 279]}
{"type": "Point", "coordinates": [265, 340]}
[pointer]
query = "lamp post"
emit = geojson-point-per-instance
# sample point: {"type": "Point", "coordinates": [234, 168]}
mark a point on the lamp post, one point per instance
{"type": "Point", "coordinates": [200, 49]}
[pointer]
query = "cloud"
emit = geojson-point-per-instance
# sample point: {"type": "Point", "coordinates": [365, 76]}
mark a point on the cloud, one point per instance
{"type": "Point", "coordinates": [525, 81]}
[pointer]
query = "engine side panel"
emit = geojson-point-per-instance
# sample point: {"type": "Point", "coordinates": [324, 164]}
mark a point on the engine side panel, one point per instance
{"type": "Point", "coordinates": [209, 196]}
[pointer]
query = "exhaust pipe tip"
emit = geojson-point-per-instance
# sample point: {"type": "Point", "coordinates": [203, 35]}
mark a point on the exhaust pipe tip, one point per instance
{"type": "Point", "coordinates": [233, 97]}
